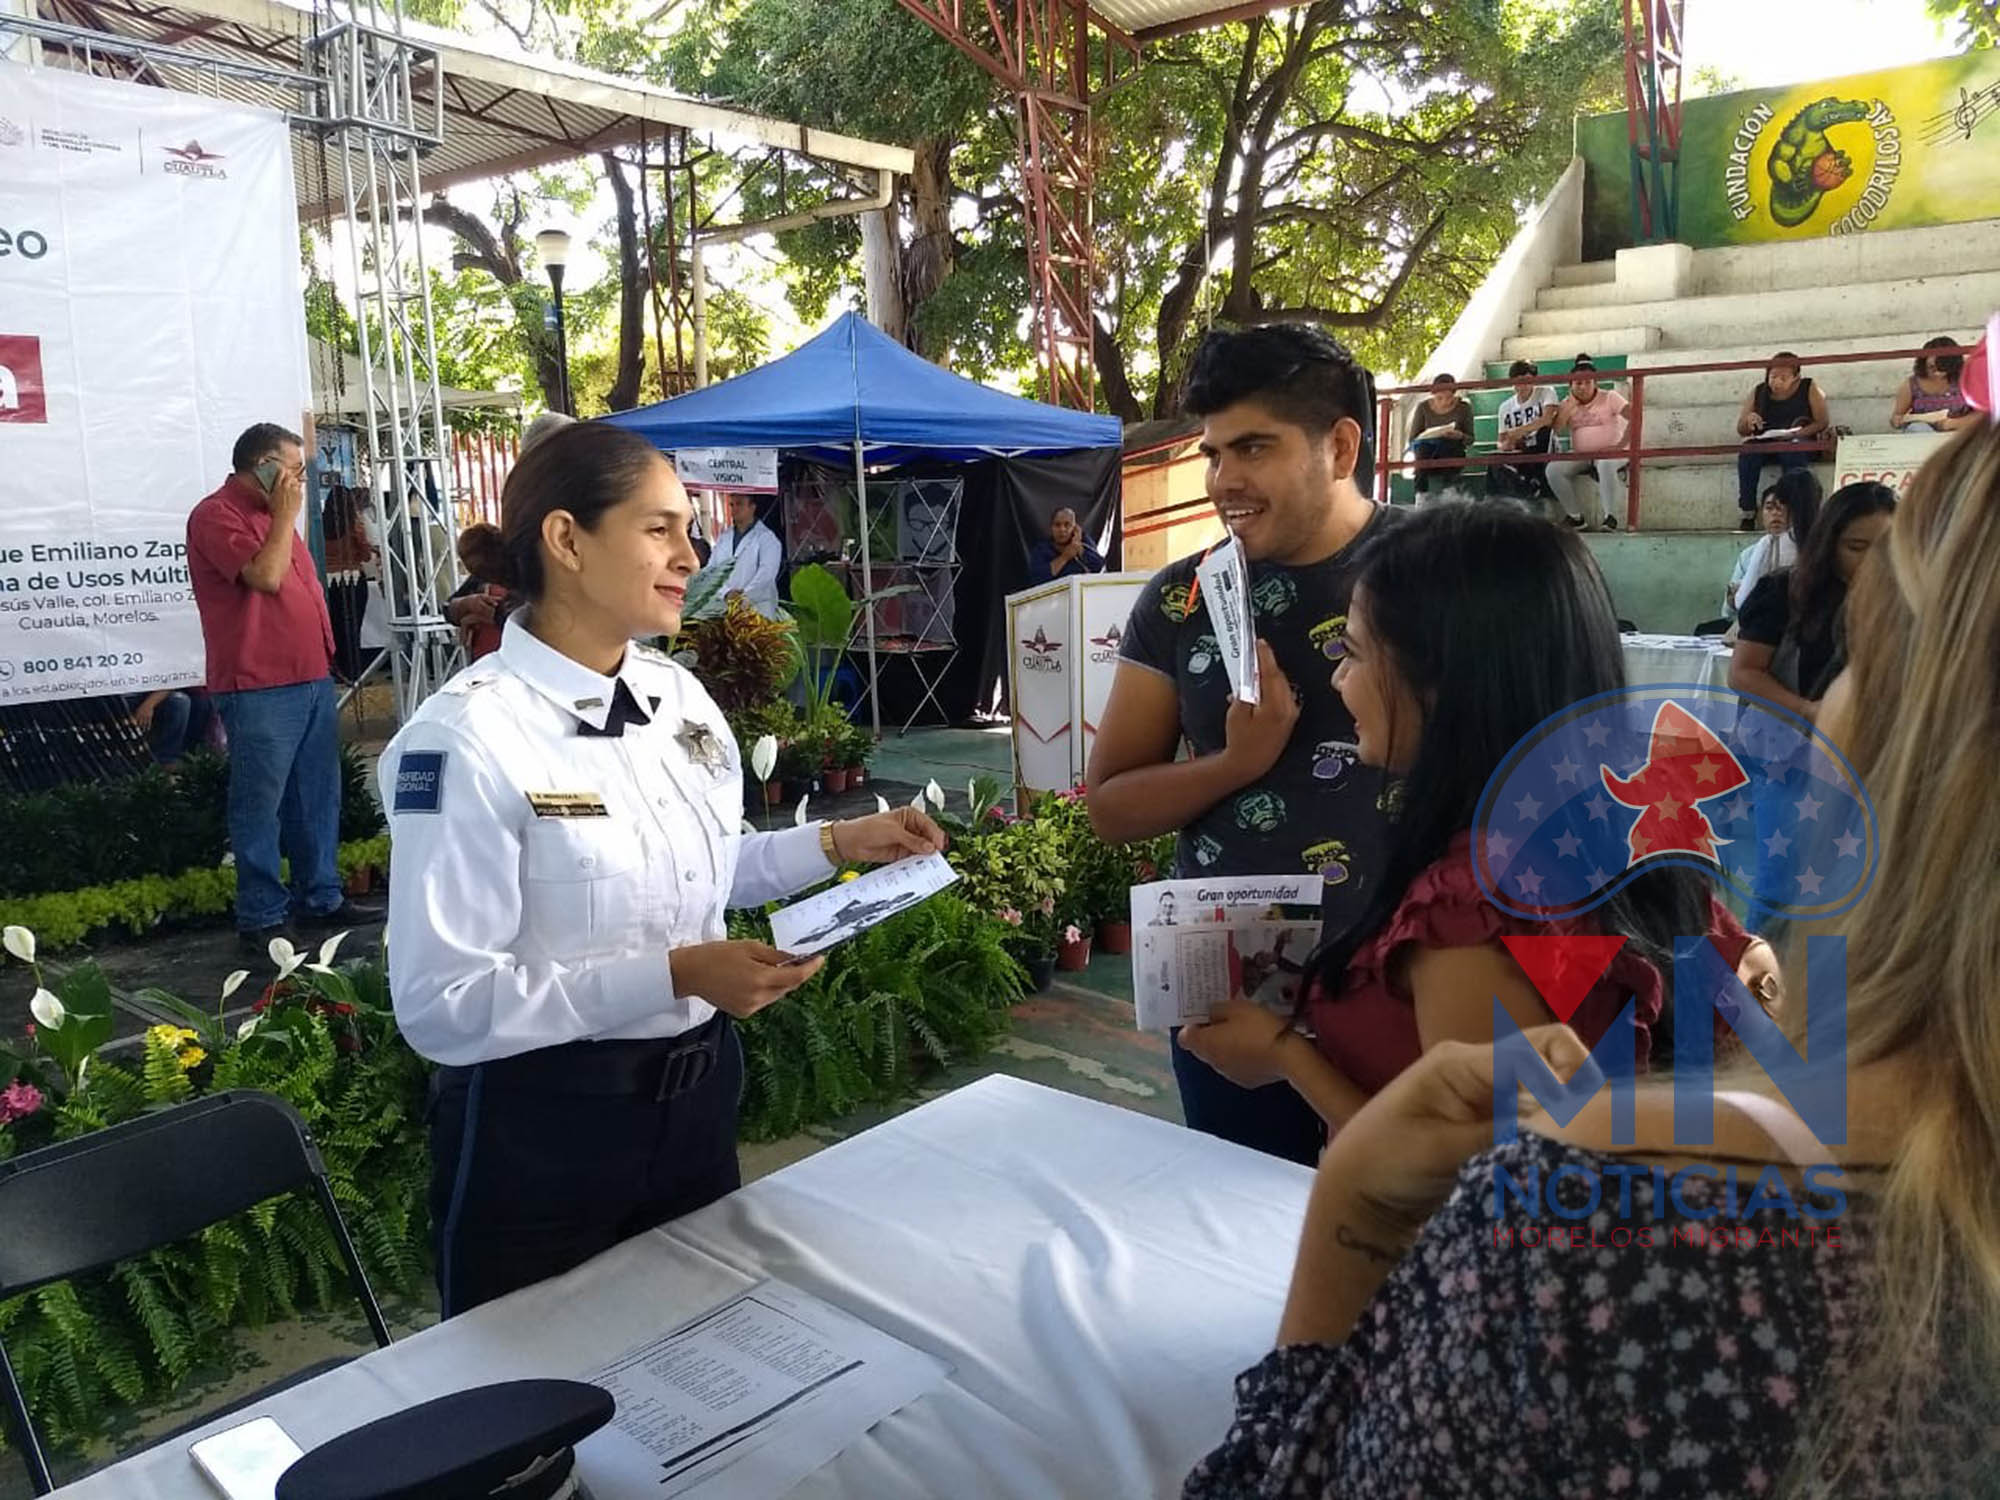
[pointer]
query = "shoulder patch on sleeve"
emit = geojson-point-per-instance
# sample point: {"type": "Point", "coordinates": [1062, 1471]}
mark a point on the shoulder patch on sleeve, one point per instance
{"type": "Point", "coordinates": [420, 782]}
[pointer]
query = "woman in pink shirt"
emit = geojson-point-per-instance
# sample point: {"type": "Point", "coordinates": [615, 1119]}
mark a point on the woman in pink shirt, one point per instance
{"type": "Point", "coordinates": [1469, 627]}
{"type": "Point", "coordinates": [1594, 418]}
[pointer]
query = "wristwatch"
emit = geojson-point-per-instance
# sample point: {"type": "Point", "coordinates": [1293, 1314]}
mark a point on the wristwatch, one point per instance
{"type": "Point", "coordinates": [826, 845]}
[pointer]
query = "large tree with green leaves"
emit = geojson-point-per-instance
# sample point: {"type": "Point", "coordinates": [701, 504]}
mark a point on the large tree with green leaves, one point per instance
{"type": "Point", "coordinates": [1353, 163]}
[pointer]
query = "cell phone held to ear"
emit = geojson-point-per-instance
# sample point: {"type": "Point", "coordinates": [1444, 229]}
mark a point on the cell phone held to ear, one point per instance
{"type": "Point", "coordinates": [267, 474]}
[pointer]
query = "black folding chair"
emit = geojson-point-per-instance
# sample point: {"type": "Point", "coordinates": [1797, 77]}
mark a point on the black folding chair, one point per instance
{"type": "Point", "coordinates": [86, 1204]}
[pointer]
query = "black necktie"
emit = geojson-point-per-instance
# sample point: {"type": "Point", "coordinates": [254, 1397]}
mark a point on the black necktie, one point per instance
{"type": "Point", "coordinates": [624, 710]}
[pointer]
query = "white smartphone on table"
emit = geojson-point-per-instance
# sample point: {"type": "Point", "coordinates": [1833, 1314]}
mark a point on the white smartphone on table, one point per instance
{"type": "Point", "coordinates": [244, 1462]}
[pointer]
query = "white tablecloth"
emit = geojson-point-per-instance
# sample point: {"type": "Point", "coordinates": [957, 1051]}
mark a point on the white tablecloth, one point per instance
{"type": "Point", "coordinates": [1652, 659]}
{"type": "Point", "coordinates": [1095, 1277]}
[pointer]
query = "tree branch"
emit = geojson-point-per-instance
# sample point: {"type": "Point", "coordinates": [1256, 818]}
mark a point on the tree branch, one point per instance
{"type": "Point", "coordinates": [1367, 317]}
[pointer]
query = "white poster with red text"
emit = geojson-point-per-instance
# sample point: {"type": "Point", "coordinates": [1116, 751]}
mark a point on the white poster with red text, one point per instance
{"type": "Point", "coordinates": [150, 310]}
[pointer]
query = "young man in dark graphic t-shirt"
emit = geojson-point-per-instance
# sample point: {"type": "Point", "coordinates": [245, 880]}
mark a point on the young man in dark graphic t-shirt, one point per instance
{"type": "Point", "coordinates": [1276, 787]}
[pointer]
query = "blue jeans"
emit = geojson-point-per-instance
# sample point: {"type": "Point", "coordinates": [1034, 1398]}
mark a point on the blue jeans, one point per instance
{"type": "Point", "coordinates": [1752, 461]}
{"type": "Point", "coordinates": [1274, 1119]}
{"type": "Point", "coordinates": [284, 799]}
{"type": "Point", "coordinates": [180, 724]}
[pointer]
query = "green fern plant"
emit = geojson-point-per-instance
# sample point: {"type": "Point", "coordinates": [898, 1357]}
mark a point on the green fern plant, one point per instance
{"type": "Point", "coordinates": [326, 1043]}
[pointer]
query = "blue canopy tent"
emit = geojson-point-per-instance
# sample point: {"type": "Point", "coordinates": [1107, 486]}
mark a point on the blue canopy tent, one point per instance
{"type": "Point", "coordinates": [854, 395]}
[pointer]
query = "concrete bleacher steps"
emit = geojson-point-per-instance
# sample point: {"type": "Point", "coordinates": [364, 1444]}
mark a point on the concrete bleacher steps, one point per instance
{"type": "Point", "coordinates": [1890, 290]}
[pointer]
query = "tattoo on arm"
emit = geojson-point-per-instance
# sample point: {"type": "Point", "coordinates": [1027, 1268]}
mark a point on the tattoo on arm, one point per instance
{"type": "Point", "coordinates": [1347, 1239]}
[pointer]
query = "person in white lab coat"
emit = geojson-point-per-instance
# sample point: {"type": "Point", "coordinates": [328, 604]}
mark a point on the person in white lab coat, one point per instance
{"type": "Point", "coordinates": [566, 819]}
{"type": "Point", "coordinates": [756, 553]}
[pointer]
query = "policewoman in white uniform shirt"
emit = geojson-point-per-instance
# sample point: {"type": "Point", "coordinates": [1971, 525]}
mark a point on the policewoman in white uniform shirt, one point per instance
{"type": "Point", "coordinates": [566, 833]}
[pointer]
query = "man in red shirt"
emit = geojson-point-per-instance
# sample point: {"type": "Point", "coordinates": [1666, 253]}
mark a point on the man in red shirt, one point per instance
{"type": "Point", "coordinates": [270, 645]}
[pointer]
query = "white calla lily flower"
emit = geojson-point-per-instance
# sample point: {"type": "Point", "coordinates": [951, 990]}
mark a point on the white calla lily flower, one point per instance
{"type": "Point", "coordinates": [934, 794]}
{"type": "Point", "coordinates": [249, 1028]}
{"type": "Point", "coordinates": [20, 942]}
{"type": "Point", "coordinates": [881, 803]}
{"type": "Point", "coordinates": [285, 956]}
{"type": "Point", "coordinates": [764, 757]}
{"type": "Point", "coordinates": [799, 817]}
{"type": "Point", "coordinates": [47, 1010]}
{"type": "Point", "coordinates": [330, 947]}
{"type": "Point", "coordinates": [234, 982]}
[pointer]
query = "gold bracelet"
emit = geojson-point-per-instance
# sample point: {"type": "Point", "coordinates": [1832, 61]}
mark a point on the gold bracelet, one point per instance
{"type": "Point", "coordinates": [827, 846]}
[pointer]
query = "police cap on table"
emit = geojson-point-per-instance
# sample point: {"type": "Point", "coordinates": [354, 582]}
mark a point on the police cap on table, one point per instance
{"type": "Point", "coordinates": [513, 1440]}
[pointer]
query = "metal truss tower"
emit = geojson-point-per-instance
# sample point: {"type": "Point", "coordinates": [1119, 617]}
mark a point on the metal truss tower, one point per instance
{"type": "Point", "coordinates": [383, 107]}
{"type": "Point", "coordinates": [1653, 116]}
{"type": "Point", "coordinates": [1041, 51]}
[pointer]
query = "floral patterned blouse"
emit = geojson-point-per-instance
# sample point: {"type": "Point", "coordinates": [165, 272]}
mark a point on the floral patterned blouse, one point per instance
{"type": "Point", "coordinates": [1488, 1371]}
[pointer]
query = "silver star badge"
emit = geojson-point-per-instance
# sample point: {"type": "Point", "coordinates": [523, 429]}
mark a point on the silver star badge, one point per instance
{"type": "Point", "coordinates": [702, 745]}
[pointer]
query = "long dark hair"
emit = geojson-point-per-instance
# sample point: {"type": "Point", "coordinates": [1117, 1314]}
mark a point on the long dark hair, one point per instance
{"type": "Point", "coordinates": [1799, 492]}
{"type": "Point", "coordinates": [1816, 590]}
{"type": "Point", "coordinates": [1950, 366]}
{"type": "Point", "coordinates": [1495, 620]}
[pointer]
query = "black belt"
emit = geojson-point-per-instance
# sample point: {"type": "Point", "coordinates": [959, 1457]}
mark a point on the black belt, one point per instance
{"type": "Point", "coordinates": [662, 1067]}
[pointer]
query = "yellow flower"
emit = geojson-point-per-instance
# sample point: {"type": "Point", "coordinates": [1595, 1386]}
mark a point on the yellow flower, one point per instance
{"type": "Point", "coordinates": [191, 1058]}
{"type": "Point", "coordinates": [847, 875]}
{"type": "Point", "coordinates": [171, 1036]}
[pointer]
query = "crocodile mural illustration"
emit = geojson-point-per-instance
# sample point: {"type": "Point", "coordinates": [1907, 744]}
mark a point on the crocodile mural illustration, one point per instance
{"type": "Point", "coordinates": [1805, 166]}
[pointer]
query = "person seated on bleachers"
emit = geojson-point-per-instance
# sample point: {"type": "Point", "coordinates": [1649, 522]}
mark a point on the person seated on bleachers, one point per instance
{"type": "Point", "coordinates": [1440, 427]}
{"type": "Point", "coordinates": [1790, 643]}
{"type": "Point", "coordinates": [1527, 425]}
{"type": "Point", "coordinates": [1790, 507]}
{"type": "Point", "coordinates": [1931, 396]}
{"type": "Point", "coordinates": [1593, 417]}
{"type": "Point", "coordinates": [1782, 422]}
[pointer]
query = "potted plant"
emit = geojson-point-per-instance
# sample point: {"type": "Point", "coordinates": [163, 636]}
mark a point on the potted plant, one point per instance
{"type": "Point", "coordinates": [799, 764]}
{"type": "Point", "coordinates": [854, 747]}
{"type": "Point", "coordinates": [1073, 949]}
{"type": "Point", "coordinates": [1015, 873]}
{"type": "Point", "coordinates": [824, 732]}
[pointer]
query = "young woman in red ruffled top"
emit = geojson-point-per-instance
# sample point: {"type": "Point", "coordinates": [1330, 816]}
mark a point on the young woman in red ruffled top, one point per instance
{"type": "Point", "coordinates": [1469, 626]}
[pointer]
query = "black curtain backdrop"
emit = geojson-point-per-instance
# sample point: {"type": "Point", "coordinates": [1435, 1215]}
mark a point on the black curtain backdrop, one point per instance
{"type": "Point", "coordinates": [1005, 509]}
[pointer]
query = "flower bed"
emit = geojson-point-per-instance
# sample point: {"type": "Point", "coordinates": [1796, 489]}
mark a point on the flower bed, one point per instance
{"type": "Point", "coordinates": [929, 987]}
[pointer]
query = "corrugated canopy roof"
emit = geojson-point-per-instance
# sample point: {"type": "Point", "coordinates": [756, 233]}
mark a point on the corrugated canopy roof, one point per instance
{"type": "Point", "coordinates": [1144, 20]}
{"type": "Point", "coordinates": [504, 111]}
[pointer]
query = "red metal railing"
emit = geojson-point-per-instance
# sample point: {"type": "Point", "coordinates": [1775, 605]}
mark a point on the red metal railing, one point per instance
{"type": "Point", "coordinates": [1633, 450]}
{"type": "Point", "coordinates": [480, 462]}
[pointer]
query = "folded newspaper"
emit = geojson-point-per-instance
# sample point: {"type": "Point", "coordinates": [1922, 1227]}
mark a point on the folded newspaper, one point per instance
{"type": "Point", "coordinates": [1197, 942]}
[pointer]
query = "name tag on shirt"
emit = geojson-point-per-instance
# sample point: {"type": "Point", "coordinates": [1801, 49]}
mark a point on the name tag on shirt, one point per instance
{"type": "Point", "coordinates": [567, 805]}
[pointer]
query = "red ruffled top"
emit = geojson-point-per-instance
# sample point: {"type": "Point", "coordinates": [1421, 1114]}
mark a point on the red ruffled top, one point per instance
{"type": "Point", "coordinates": [1369, 1029]}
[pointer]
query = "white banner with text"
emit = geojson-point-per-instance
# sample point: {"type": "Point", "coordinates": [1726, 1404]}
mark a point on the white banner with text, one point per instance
{"type": "Point", "coordinates": [149, 311]}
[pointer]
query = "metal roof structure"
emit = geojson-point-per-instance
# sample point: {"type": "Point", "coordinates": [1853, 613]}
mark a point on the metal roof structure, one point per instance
{"type": "Point", "coordinates": [503, 111]}
{"type": "Point", "coordinates": [1148, 20]}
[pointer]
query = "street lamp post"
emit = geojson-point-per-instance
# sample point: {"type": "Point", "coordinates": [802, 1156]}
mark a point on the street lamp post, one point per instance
{"type": "Point", "coordinates": [552, 245]}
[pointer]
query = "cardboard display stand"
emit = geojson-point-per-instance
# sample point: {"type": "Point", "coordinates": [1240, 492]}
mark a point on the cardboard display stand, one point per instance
{"type": "Point", "coordinates": [1063, 640]}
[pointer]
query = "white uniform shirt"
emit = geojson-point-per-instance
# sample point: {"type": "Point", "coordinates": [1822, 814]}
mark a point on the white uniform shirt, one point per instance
{"type": "Point", "coordinates": [539, 876]}
{"type": "Point", "coordinates": [757, 555]}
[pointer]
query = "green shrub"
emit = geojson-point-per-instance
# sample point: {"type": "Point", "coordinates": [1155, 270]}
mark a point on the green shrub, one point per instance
{"type": "Point", "coordinates": [927, 988]}
{"type": "Point", "coordinates": [324, 1042]}
{"type": "Point", "coordinates": [92, 833]}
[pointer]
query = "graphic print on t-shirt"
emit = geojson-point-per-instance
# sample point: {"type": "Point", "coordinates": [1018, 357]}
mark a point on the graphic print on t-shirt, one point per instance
{"type": "Point", "coordinates": [1317, 808]}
